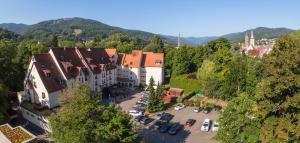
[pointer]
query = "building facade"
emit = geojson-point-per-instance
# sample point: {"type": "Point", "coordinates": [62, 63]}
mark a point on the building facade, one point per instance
{"type": "Point", "coordinates": [49, 74]}
{"type": "Point", "coordinates": [250, 48]}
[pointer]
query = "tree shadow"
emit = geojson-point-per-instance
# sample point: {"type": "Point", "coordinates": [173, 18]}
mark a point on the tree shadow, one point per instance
{"type": "Point", "coordinates": [150, 134]}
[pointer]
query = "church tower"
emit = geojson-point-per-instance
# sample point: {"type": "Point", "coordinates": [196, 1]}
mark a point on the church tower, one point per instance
{"type": "Point", "coordinates": [252, 40]}
{"type": "Point", "coordinates": [246, 40]}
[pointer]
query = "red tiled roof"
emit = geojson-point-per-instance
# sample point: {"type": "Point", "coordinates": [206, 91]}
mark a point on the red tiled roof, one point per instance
{"type": "Point", "coordinates": [141, 59]}
{"type": "Point", "coordinates": [48, 72]}
{"type": "Point", "coordinates": [98, 58]}
{"type": "Point", "coordinates": [152, 59]}
{"type": "Point", "coordinates": [131, 60]}
{"type": "Point", "coordinates": [68, 60]}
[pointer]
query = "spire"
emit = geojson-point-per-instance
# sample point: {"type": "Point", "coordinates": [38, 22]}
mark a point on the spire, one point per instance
{"type": "Point", "coordinates": [252, 40]}
{"type": "Point", "coordinates": [246, 40]}
{"type": "Point", "coordinates": [178, 41]}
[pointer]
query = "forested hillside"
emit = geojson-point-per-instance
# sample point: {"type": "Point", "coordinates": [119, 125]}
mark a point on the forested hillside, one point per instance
{"type": "Point", "coordinates": [79, 29]}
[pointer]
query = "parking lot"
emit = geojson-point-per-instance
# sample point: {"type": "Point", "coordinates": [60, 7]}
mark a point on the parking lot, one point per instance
{"type": "Point", "coordinates": [186, 135]}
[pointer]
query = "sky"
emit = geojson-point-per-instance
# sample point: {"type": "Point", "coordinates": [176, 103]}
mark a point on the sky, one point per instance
{"type": "Point", "coordinates": [169, 17]}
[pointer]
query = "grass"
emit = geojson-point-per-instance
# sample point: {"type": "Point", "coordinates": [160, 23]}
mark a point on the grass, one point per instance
{"type": "Point", "coordinates": [186, 83]}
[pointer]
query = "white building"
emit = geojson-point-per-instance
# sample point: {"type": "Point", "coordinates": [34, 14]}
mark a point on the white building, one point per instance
{"type": "Point", "coordinates": [51, 73]}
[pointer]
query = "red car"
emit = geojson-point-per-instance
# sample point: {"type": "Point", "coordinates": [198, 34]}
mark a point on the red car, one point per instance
{"type": "Point", "coordinates": [190, 122]}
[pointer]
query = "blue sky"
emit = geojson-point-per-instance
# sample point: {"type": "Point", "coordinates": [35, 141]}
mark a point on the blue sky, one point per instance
{"type": "Point", "coordinates": [189, 17]}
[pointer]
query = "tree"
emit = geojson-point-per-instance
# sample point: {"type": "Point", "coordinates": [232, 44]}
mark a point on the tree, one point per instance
{"type": "Point", "coordinates": [209, 77]}
{"type": "Point", "coordinates": [156, 45]}
{"type": "Point", "coordinates": [81, 118]}
{"type": "Point", "coordinates": [151, 101]}
{"type": "Point", "coordinates": [278, 93]}
{"type": "Point", "coordinates": [214, 45]}
{"type": "Point", "coordinates": [237, 121]}
{"type": "Point", "coordinates": [159, 97]}
{"type": "Point", "coordinates": [3, 103]}
{"type": "Point", "coordinates": [182, 63]}
{"type": "Point", "coordinates": [53, 42]}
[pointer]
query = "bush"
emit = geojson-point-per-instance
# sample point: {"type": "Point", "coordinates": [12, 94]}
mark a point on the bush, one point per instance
{"type": "Point", "coordinates": [188, 103]}
{"type": "Point", "coordinates": [210, 105]}
{"type": "Point", "coordinates": [189, 95]}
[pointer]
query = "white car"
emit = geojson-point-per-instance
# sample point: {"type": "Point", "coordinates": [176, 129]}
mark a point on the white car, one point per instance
{"type": "Point", "coordinates": [179, 106]}
{"type": "Point", "coordinates": [135, 113]}
{"type": "Point", "coordinates": [206, 125]}
{"type": "Point", "coordinates": [215, 126]}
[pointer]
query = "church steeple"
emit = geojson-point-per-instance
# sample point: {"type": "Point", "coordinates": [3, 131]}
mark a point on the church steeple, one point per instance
{"type": "Point", "coordinates": [246, 40]}
{"type": "Point", "coordinates": [252, 40]}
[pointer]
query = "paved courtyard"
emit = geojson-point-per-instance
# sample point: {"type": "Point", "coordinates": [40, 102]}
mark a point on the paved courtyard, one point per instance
{"type": "Point", "coordinates": [186, 135]}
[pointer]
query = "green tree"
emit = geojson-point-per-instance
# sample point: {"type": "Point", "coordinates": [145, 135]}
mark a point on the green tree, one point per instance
{"type": "Point", "coordinates": [278, 93]}
{"type": "Point", "coordinates": [3, 103]}
{"type": "Point", "coordinates": [53, 42]}
{"type": "Point", "coordinates": [209, 77]}
{"type": "Point", "coordinates": [182, 63]}
{"type": "Point", "coordinates": [151, 101]}
{"type": "Point", "coordinates": [82, 119]}
{"type": "Point", "coordinates": [156, 45]}
{"type": "Point", "coordinates": [159, 97]}
{"type": "Point", "coordinates": [238, 123]}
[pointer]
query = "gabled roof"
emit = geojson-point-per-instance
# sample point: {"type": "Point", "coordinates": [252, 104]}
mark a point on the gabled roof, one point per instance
{"type": "Point", "coordinates": [98, 59]}
{"type": "Point", "coordinates": [151, 59]}
{"type": "Point", "coordinates": [48, 72]}
{"type": "Point", "coordinates": [139, 58]}
{"type": "Point", "coordinates": [132, 60]}
{"type": "Point", "coordinates": [69, 61]}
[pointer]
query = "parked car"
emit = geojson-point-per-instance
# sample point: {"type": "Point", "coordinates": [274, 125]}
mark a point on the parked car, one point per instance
{"type": "Point", "coordinates": [139, 105]}
{"type": "Point", "coordinates": [167, 117]}
{"type": "Point", "coordinates": [218, 108]}
{"type": "Point", "coordinates": [158, 124]}
{"type": "Point", "coordinates": [139, 118]}
{"type": "Point", "coordinates": [174, 129]}
{"type": "Point", "coordinates": [142, 102]}
{"type": "Point", "coordinates": [159, 115]}
{"type": "Point", "coordinates": [145, 120]}
{"type": "Point", "coordinates": [164, 128]}
{"type": "Point", "coordinates": [206, 110]}
{"type": "Point", "coordinates": [179, 106]}
{"type": "Point", "coordinates": [206, 125]}
{"type": "Point", "coordinates": [135, 113]}
{"type": "Point", "coordinates": [197, 109]}
{"type": "Point", "coordinates": [142, 109]}
{"type": "Point", "coordinates": [190, 122]}
{"type": "Point", "coordinates": [215, 126]}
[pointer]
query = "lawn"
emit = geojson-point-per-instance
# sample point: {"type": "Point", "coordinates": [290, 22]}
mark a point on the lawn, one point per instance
{"type": "Point", "coordinates": [187, 82]}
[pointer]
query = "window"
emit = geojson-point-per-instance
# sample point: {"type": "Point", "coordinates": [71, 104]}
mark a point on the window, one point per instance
{"type": "Point", "coordinates": [43, 66]}
{"type": "Point", "coordinates": [43, 95]}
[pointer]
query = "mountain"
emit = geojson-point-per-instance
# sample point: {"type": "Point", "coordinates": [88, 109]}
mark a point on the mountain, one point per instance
{"type": "Point", "coordinates": [72, 28]}
{"type": "Point", "coordinates": [18, 28]}
{"type": "Point", "coordinates": [259, 33]}
{"type": "Point", "coordinates": [82, 29]}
